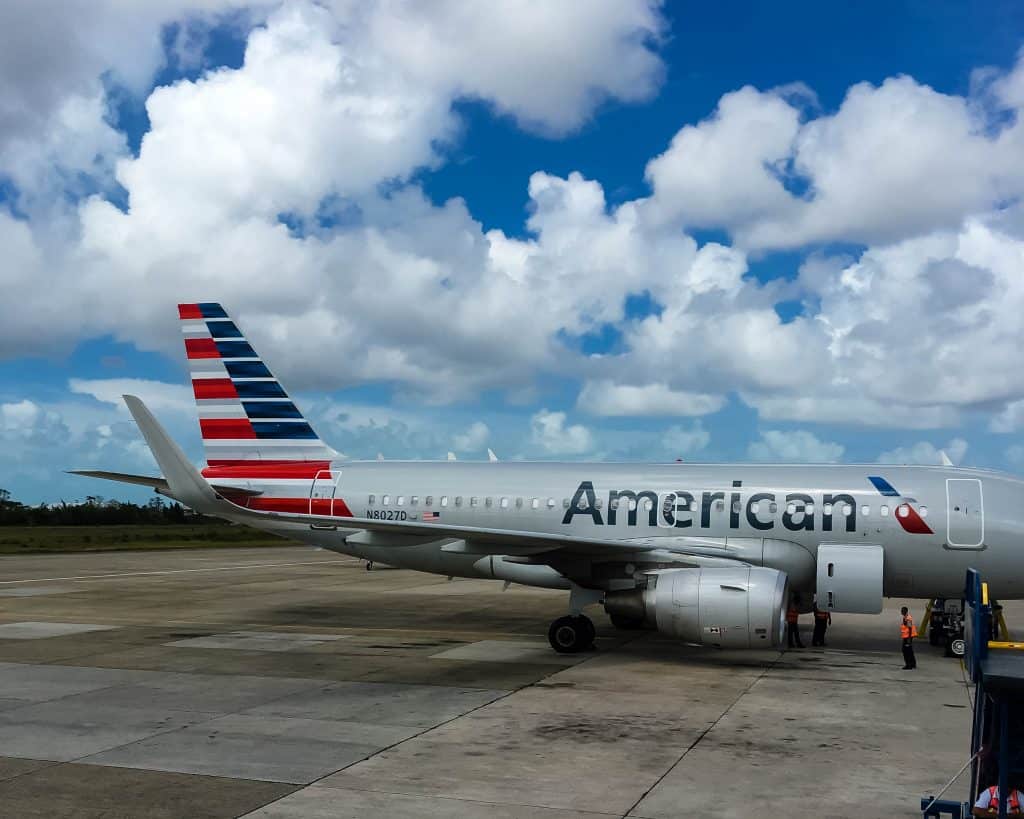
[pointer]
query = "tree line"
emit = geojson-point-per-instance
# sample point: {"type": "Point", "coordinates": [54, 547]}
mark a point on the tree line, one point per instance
{"type": "Point", "coordinates": [94, 511]}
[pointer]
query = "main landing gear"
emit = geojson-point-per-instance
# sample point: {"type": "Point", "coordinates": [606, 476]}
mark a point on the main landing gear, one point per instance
{"type": "Point", "coordinates": [572, 634]}
{"type": "Point", "coordinates": [575, 632]}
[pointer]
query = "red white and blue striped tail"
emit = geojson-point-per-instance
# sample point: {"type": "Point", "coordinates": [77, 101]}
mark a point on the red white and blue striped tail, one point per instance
{"type": "Point", "coordinates": [244, 413]}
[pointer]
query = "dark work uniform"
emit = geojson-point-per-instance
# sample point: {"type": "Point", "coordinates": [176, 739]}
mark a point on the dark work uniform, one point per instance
{"type": "Point", "coordinates": [793, 628]}
{"type": "Point", "coordinates": [821, 623]}
{"type": "Point", "coordinates": [907, 632]}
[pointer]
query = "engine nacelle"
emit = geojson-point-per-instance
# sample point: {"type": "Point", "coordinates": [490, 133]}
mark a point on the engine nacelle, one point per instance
{"type": "Point", "coordinates": [741, 607]}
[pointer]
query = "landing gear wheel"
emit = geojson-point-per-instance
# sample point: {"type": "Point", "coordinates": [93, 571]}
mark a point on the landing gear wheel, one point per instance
{"type": "Point", "coordinates": [571, 634]}
{"type": "Point", "coordinates": [957, 647]}
{"type": "Point", "coordinates": [625, 623]}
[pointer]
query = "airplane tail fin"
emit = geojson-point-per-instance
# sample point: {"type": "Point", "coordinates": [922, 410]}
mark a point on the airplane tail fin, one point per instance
{"type": "Point", "coordinates": [244, 413]}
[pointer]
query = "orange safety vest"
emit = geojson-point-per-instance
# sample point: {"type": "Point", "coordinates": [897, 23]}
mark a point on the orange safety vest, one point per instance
{"type": "Point", "coordinates": [1012, 803]}
{"type": "Point", "coordinates": [792, 615]}
{"type": "Point", "coordinates": [907, 628]}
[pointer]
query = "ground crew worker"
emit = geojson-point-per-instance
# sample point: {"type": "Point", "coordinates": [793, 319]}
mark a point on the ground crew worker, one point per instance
{"type": "Point", "coordinates": [822, 620]}
{"type": "Point", "coordinates": [988, 802]}
{"type": "Point", "coordinates": [908, 631]}
{"type": "Point", "coordinates": [793, 627]}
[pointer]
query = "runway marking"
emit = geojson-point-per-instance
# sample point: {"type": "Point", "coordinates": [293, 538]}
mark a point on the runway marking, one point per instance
{"type": "Point", "coordinates": [166, 571]}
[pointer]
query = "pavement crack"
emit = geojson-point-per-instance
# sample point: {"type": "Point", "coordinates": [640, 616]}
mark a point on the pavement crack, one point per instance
{"type": "Point", "coordinates": [705, 732]}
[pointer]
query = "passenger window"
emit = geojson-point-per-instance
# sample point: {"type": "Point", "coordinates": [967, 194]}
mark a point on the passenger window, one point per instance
{"type": "Point", "coordinates": [414, 500]}
{"type": "Point", "coordinates": [535, 503]}
{"type": "Point", "coordinates": [720, 506]}
{"type": "Point", "coordinates": [923, 511]}
{"type": "Point", "coordinates": [902, 510]}
{"type": "Point", "coordinates": [385, 499]}
{"type": "Point", "coordinates": [773, 508]}
{"type": "Point", "coordinates": [488, 502]}
{"type": "Point", "coordinates": [847, 510]}
{"type": "Point", "coordinates": [865, 510]}
{"type": "Point", "coordinates": [883, 510]}
{"type": "Point", "coordinates": [632, 504]}
{"type": "Point", "coordinates": [400, 500]}
{"type": "Point", "coordinates": [519, 503]}
{"type": "Point", "coordinates": [827, 508]}
{"type": "Point", "coordinates": [551, 503]}
{"type": "Point", "coordinates": [504, 503]}
{"type": "Point", "coordinates": [370, 501]}
{"type": "Point", "coordinates": [458, 500]}
{"type": "Point", "coordinates": [791, 509]}
{"type": "Point", "coordinates": [754, 507]}
{"type": "Point", "coordinates": [444, 500]}
{"type": "Point", "coordinates": [473, 501]}
{"type": "Point", "coordinates": [736, 507]}
{"type": "Point", "coordinates": [809, 509]}
{"type": "Point", "coordinates": [428, 500]}
{"type": "Point", "coordinates": [600, 503]}
{"type": "Point", "coordinates": [565, 503]}
{"type": "Point", "coordinates": [613, 503]}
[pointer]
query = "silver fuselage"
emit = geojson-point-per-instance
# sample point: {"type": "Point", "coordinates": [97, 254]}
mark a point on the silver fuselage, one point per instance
{"type": "Point", "coordinates": [933, 522]}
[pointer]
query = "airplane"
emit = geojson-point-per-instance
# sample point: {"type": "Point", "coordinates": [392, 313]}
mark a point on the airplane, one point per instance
{"type": "Point", "coordinates": [711, 554]}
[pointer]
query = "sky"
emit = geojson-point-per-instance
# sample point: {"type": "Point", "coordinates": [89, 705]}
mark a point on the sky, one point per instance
{"type": "Point", "coordinates": [612, 230]}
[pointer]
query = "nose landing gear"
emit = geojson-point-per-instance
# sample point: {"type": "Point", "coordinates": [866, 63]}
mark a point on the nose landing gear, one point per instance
{"type": "Point", "coordinates": [572, 634]}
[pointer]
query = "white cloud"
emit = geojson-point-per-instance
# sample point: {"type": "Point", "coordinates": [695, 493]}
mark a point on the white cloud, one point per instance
{"type": "Point", "coordinates": [893, 161]}
{"type": "Point", "coordinates": [473, 439]}
{"type": "Point", "coordinates": [796, 446]}
{"type": "Point", "coordinates": [550, 433]}
{"type": "Point", "coordinates": [681, 441]}
{"type": "Point", "coordinates": [924, 452]}
{"type": "Point", "coordinates": [610, 399]}
{"type": "Point", "coordinates": [545, 64]}
{"type": "Point", "coordinates": [157, 395]}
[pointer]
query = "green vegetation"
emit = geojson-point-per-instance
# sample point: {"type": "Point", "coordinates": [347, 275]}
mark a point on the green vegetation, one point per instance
{"type": "Point", "coordinates": [27, 539]}
{"type": "Point", "coordinates": [101, 525]}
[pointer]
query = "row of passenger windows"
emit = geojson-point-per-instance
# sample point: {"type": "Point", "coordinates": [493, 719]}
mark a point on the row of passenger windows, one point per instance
{"type": "Point", "coordinates": [758, 507]}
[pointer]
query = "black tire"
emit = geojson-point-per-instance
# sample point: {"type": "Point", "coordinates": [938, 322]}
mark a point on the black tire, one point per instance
{"type": "Point", "coordinates": [571, 634]}
{"type": "Point", "coordinates": [936, 636]}
{"type": "Point", "coordinates": [625, 623]}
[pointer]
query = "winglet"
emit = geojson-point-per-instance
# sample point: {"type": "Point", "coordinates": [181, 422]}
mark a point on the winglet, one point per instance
{"type": "Point", "coordinates": [491, 456]}
{"type": "Point", "coordinates": [183, 480]}
{"type": "Point", "coordinates": [945, 458]}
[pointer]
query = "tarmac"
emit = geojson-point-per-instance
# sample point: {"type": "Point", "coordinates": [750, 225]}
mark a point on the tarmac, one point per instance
{"type": "Point", "coordinates": [290, 682]}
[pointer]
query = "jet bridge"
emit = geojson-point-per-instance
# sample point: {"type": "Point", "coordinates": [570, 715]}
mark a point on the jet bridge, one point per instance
{"type": "Point", "coordinates": [996, 670]}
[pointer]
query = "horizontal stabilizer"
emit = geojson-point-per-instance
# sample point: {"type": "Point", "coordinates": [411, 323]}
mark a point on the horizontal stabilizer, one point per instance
{"type": "Point", "coordinates": [159, 484]}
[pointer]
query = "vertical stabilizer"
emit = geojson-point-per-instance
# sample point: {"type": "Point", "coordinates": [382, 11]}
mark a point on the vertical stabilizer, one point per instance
{"type": "Point", "coordinates": [245, 415]}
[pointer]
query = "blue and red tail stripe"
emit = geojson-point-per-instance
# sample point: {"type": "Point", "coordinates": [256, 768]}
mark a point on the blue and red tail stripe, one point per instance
{"type": "Point", "coordinates": [245, 415]}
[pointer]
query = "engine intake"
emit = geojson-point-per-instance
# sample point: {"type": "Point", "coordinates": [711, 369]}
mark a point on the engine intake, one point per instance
{"type": "Point", "coordinates": [741, 607]}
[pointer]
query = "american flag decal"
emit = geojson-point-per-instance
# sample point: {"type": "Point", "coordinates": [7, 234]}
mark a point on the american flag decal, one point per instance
{"type": "Point", "coordinates": [431, 515]}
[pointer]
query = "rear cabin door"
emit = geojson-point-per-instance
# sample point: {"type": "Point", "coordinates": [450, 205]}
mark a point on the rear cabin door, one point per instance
{"type": "Point", "coordinates": [321, 493]}
{"type": "Point", "coordinates": [965, 513]}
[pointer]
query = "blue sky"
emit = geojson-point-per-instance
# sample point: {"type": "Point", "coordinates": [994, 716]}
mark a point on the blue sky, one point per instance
{"type": "Point", "coordinates": [571, 238]}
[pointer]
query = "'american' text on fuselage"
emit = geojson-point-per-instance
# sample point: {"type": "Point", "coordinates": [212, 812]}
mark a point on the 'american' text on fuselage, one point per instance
{"type": "Point", "coordinates": [679, 508]}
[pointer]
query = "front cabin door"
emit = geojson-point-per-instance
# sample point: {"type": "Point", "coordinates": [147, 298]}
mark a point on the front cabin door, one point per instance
{"type": "Point", "coordinates": [965, 513]}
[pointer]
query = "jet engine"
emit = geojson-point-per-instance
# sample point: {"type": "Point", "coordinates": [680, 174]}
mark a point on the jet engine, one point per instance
{"type": "Point", "coordinates": [741, 607]}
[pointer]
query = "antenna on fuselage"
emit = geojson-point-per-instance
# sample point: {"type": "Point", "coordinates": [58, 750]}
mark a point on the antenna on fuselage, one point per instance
{"type": "Point", "coordinates": [945, 458]}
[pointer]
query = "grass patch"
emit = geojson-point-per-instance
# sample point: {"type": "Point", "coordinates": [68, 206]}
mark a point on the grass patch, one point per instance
{"type": "Point", "coordinates": [41, 539]}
